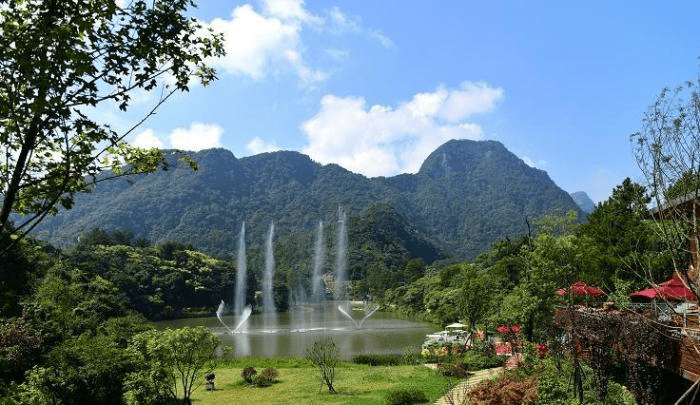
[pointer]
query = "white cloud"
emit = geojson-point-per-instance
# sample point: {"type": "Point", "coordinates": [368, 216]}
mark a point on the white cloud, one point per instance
{"type": "Point", "coordinates": [384, 140]}
{"type": "Point", "coordinates": [268, 42]}
{"type": "Point", "coordinates": [290, 10]}
{"type": "Point", "coordinates": [341, 23]}
{"type": "Point", "coordinates": [147, 139]}
{"type": "Point", "coordinates": [258, 145]}
{"type": "Point", "coordinates": [255, 43]}
{"type": "Point", "coordinates": [197, 137]}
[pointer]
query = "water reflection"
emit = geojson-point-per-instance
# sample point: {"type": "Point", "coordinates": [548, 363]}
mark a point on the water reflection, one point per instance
{"type": "Point", "coordinates": [382, 333]}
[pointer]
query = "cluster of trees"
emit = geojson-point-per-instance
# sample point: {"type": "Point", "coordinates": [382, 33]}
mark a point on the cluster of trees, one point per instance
{"type": "Point", "coordinates": [616, 248]}
{"type": "Point", "coordinates": [75, 337]}
{"type": "Point", "coordinates": [68, 334]}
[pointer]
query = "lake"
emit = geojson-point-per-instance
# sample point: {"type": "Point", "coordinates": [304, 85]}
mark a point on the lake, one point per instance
{"type": "Point", "coordinates": [293, 332]}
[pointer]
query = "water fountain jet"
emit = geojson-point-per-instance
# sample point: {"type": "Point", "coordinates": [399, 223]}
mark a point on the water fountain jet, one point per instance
{"type": "Point", "coordinates": [268, 307]}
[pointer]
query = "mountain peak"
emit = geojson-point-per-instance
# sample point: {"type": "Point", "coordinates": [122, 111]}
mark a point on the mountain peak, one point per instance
{"type": "Point", "coordinates": [460, 156]}
{"type": "Point", "coordinates": [583, 201]}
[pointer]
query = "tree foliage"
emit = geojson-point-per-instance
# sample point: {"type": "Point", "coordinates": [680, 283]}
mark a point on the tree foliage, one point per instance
{"type": "Point", "coordinates": [163, 281]}
{"type": "Point", "coordinates": [60, 60]}
{"type": "Point", "coordinates": [173, 362]}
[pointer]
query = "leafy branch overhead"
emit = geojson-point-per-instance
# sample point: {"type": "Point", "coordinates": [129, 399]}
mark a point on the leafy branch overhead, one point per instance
{"type": "Point", "coordinates": [61, 60]}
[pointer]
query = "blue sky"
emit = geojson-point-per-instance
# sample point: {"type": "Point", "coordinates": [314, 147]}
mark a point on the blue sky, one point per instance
{"type": "Point", "coordinates": [375, 86]}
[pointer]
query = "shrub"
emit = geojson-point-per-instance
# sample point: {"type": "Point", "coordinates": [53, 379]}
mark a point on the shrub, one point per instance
{"type": "Point", "coordinates": [411, 356]}
{"type": "Point", "coordinates": [455, 369]}
{"type": "Point", "coordinates": [248, 374]}
{"type": "Point", "coordinates": [377, 360]}
{"type": "Point", "coordinates": [266, 378]}
{"type": "Point", "coordinates": [323, 354]}
{"type": "Point", "coordinates": [406, 396]}
{"type": "Point", "coordinates": [506, 389]}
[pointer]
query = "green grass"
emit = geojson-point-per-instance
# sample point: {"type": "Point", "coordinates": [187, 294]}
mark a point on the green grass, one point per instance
{"type": "Point", "coordinates": [299, 383]}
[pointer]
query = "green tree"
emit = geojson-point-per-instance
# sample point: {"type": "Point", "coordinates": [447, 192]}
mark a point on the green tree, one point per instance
{"type": "Point", "coordinates": [60, 59]}
{"type": "Point", "coordinates": [171, 360]}
{"type": "Point", "coordinates": [477, 296]}
{"type": "Point", "coordinates": [71, 302]}
{"type": "Point", "coordinates": [86, 369]}
{"type": "Point", "coordinates": [620, 240]}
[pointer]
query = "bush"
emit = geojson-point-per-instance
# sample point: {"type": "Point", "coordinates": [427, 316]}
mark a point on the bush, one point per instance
{"type": "Point", "coordinates": [377, 360]}
{"type": "Point", "coordinates": [478, 361]}
{"type": "Point", "coordinates": [506, 389]}
{"type": "Point", "coordinates": [455, 369]}
{"type": "Point", "coordinates": [411, 356]}
{"type": "Point", "coordinates": [406, 396]}
{"type": "Point", "coordinates": [323, 354]}
{"type": "Point", "coordinates": [248, 374]}
{"type": "Point", "coordinates": [266, 378]}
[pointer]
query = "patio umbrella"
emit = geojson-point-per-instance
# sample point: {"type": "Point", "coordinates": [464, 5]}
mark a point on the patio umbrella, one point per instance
{"type": "Point", "coordinates": [673, 289]}
{"type": "Point", "coordinates": [579, 289]}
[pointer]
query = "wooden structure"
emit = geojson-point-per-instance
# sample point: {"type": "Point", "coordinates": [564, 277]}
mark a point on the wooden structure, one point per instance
{"type": "Point", "coordinates": [688, 208]}
{"type": "Point", "coordinates": [675, 346]}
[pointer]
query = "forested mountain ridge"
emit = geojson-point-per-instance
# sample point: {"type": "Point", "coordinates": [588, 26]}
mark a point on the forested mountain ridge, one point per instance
{"type": "Point", "coordinates": [466, 195]}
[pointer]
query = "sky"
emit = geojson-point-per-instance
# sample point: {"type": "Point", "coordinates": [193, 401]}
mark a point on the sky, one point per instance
{"type": "Point", "coordinates": [376, 86]}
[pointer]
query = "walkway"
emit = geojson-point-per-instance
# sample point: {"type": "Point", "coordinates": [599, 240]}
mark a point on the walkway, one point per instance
{"type": "Point", "coordinates": [456, 395]}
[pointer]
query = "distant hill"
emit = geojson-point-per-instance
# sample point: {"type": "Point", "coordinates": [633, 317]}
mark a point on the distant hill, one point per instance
{"type": "Point", "coordinates": [466, 195]}
{"type": "Point", "coordinates": [583, 201]}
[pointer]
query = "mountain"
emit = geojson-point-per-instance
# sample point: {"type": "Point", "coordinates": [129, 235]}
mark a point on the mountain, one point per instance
{"type": "Point", "coordinates": [466, 195]}
{"type": "Point", "coordinates": [583, 201]}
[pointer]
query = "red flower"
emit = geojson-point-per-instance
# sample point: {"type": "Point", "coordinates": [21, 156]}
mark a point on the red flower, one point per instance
{"type": "Point", "coordinates": [515, 328]}
{"type": "Point", "coordinates": [503, 349]}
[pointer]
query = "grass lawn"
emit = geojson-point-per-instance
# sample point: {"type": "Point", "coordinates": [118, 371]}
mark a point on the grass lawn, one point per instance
{"type": "Point", "coordinates": [299, 383]}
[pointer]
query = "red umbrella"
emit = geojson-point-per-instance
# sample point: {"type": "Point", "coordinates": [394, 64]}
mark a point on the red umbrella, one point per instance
{"type": "Point", "coordinates": [673, 289]}
{"type": "Point", "coordinates": [579, 289]}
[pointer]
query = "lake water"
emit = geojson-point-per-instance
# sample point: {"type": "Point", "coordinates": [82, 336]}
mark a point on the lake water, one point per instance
{"type": "Point", "coordinates": [295, 331]}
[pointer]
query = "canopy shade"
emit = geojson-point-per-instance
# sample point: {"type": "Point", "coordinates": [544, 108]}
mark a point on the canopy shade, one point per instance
{"type": "Point", "coordinates": [455, 325]}
{"type": "Point", "coordinates": [673, 289]}
{"type": "Point", "coordinates": [579, 289]}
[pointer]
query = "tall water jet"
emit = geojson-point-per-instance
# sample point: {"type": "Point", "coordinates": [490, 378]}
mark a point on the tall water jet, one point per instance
{"type": "Point", "coordinates": [269, 311]}
{"type": "Point", "coordinates": [319, 255]}
{"type": "Point", "coordinates": [341, 258]}
{"type": "Point", "coordinates": [241, 275]}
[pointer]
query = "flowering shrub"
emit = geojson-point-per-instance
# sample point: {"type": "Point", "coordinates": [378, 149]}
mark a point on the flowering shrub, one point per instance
{"type": "Point", "coordinates": [514, 361]}
{"type": "Point", "coordinates": [507, 330]}
{"type": "Point", "coordinates": [541, 350]}
{"type": "Point", "coordinates": [503, 349]}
